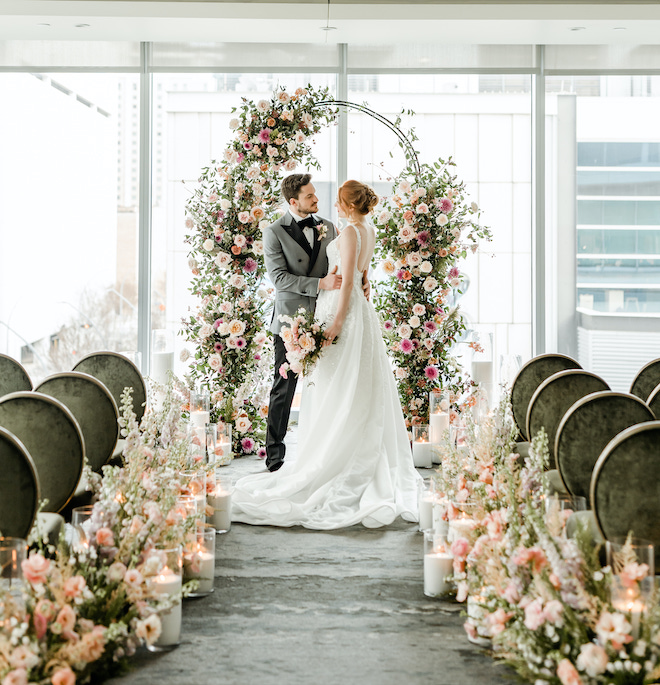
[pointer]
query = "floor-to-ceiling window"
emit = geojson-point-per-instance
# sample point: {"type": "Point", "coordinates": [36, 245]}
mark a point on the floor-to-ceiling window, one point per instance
{"type": "Point", "coordinates": [603, 167]}
{"type": "Point", "coordinates": [68, 216]}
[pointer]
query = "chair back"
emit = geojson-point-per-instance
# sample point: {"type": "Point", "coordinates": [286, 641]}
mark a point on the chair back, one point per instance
{"type": "Point", "coordinates": [554, 397]}
{"type": "Point", "coordinates": [94, 408]}
{"type": "Point", "coordinates": [646, 380]}
{"type": "Point", "coordinates": [625, 485]}
{"type": "Point", "coordinates": [528, 379]}
{"type": "Point", "coordinates": [53, 439]}
{"type": "Point", "coordinates": [586, 428]}
{"type": "Point", "coordinates": [19, 487]}
{"type": "Point", "coordinates": [13, 377]}
{"type": "Point", "coordinates": [116, 372]}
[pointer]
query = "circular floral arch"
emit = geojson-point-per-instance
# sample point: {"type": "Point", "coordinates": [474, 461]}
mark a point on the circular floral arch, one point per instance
{"type": "Point", "coordinates": [423, 229]}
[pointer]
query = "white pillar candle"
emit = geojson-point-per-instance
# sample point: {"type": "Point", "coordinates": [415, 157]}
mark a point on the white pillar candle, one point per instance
{"type": "Point", "coordinates": [438, 566]}
{"type": "Point", "coordinates": [161, 363]}
{"type": "Point", "coordinates": [221, 503]}
{"type": "Point", "coordinates": [223, 452]}
{"type": "Point", "coordinates": [460, 528]}
{"type": "Point", "coordinates": [426, 511]}
{"type": "Point", "coordinates": [169, 583]}
{"type": "Point", "coordinates": [422, 454]}
{"type": "Point", "coordinates": [439, 423]}
{"type": "Point", "coordinates": [200, 418]}
{"type": "Point", "coordinates": [200, 566]}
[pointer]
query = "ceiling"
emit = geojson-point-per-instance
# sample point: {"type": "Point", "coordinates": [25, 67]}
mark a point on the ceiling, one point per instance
{"type": "Point", "coordinates": [361, 22]}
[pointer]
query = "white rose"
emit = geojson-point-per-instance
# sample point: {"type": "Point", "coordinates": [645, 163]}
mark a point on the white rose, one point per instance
{"type": "Point", "coordinates": [192, 263]}
{"type": "Point", "coordinates": [474, 207]}
{"type": "Point", "coordinates": [403, 188]}
{"type": "Point", "coordinates": [384, 217]}
{"type": "Point", "coordinates": [253, 172]}
{"type": "Point", "coordinates": [430, 284]}
{"type": "Point", "coordinates": [242, 424]}
{"type": "Point", "coordinates": [237, 327]}
{"type": "Point", "coordinates": [233, 123]}
{"type": "Point", "coordinates": [263, 105]}
{"type": "Point", "coordinates": [426, 267]}
{"type": "Point", "coordinates": [222, 260]}
{"type": "Point", "coordinates": [420, 192]}
{"type": "Point", "coordinates": [441, 220]}
{"type": "Point", "coordinates": [263, 224]}
{"type": "Point", "coordinates": [215, 362]}
{"type": "Point", "coordinates": [307, 119]}
{"type": "Point", "coordinates": [223, 328]}
{"type": "Point", "coordinates": [209, 244]}
{"type": "Point", "coordinates": [401, 373]}
{"type": "Point", "coordinates": [291, 164]}
{"type": "Point", "coordinates": [237, 281]}
{"type": "Point", "coordinates": [414, 259]}
{"type": "Point", "coordinates": [205, 330]}
{"type": "Point", "coordinates": [184, 355]}
{"type": "Point", "coordinates": [283, 97]}
{"type": "Point", "coordinates": [260, 338]}
{"type": "Point", "coordinates": [300, 137]}
{"type": "Point", "coordinates": [414, 322]}
{"type": "Point", "coordinates": [592, 659]}
{"type": "Point", "coordinates": [258, 247]}
{"type": "Point", "coordinates": [225, 307]}
{"type": "Point", "coordinates": [225, 204]}
{"type": "Point", "coordinates": [405, 331]}
{"type": "Point", "coordinates": [418, 309]}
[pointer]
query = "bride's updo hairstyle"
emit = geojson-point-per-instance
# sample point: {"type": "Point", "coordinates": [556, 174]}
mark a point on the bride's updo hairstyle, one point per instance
{"type": "Point", "coordinates": [357, 195]}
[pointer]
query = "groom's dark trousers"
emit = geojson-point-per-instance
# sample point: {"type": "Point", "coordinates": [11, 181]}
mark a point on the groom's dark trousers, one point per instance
{"type": "Point", "coordinates": [281, 397]}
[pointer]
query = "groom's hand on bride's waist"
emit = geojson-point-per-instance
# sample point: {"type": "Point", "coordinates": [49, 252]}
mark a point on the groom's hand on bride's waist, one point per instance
{"type": "Point", "coordinates": [330, 282]}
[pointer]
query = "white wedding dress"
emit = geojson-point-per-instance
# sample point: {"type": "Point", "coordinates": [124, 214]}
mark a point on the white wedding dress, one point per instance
{"type": "Point", "coordinates": [354, 463]}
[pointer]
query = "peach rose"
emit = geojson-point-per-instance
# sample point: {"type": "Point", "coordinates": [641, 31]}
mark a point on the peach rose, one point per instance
{"type": "Point", "coordinates": [36, 568]}
{"type": "Point", "coordinates": [567, 673]}
{"type": "Point", "coordinates": [74, 586]}
{"type": "Point", "coordinates": [93, 644]}
{"type": "Point", "coordinates": [408, 216]}
{"type": "Point", "coordinates": [64, 676]}
{"type": "Point", "coordinates": [105, 537]}
{"type": "Point", "coordinates": [66, 618]}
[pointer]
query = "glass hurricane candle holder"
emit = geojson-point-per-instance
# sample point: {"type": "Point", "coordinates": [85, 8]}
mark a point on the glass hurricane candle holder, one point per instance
{"type": "Point", "coordinates": [632, 598]}
{"type": "Point", "coordinates": [461, 520]}
{"type": "Point", "coordinates": [425, 499]}
{"type": "Point", "coordinates": [12, 554]}
{"type": "Point", "coordinates": [422, 448]}
{"type": "Point", "coordinates": [438, 565]}
{"type": "Point", "coordinates": [220, 503]}
{"type": "Point", "coordinates": [438, 415]}
{"type": "Point", "coordinates": [193, 484]}
{"type": "Point", "coordinates": [200, 406]}
{"type": "Point", "coordinates": [81, 523]}
{"type": "Point", "coordinates": [620, 552]}
{"type": "Point", "coordinates": [559, 508]}
{"type": "Point", "coordinates": [168, 581]}
{"type": "Point", "coordinates": [199, 560]}
{"type": "Point", "coordinates": [223, 451]}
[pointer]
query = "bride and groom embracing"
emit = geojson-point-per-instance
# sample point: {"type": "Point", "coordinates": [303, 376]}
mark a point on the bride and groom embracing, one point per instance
{"type": "Point", "coordinates": [353, 462]}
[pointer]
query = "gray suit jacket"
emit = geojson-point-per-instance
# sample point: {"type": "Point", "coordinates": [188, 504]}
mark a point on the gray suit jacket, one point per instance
{"type": "Point", "coordinates": [293, 266]}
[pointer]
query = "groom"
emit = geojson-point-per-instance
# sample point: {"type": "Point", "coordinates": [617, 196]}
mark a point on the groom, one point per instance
{"type": "Point", "coordinates": [294, 253]}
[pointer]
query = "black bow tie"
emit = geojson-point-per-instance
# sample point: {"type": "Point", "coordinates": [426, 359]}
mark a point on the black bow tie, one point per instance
{"type": "Point", "coordinates": [307, 222]}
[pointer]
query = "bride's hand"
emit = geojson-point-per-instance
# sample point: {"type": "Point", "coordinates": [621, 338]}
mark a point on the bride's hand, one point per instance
{"type": "Point", "coordinates": [331, 333]}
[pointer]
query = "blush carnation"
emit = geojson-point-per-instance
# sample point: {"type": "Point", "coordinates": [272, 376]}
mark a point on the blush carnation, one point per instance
{"type": "Point", "coordinates": [247, 444]}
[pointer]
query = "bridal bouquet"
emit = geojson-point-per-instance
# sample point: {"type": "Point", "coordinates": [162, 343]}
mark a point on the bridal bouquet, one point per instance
{"type": "Point", "coordinates": [303, 338]}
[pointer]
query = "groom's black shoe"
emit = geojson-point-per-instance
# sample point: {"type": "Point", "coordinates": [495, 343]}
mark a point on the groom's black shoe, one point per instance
{"type": "Point", "coordinates": [273, 466]}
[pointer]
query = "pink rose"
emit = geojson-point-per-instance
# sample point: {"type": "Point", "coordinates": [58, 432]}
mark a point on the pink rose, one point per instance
{"type": "Point", "coordinates": [74, 586]}
{"type": "Point", "coordinates": [460, 547]}
{"type": "Point", "coordinates": [116, 572]}
{"type": "Point", "coordinates": [65, 676]}
{"type": "Point", "coordinates": [66, 618]}
{"type": "Point", "coordinates": [93, 644]}
{"type": "Point", "coordinates": [592, 659]}
{"type": "Point", "coordinates": [567, 673]}
{"type": "Point", "coordinates": [133, 578]}
{"type": "Point", "coordinates": [36, 568]}
{"type": "Point", "coordinates": [105, 537]}
{"type": "Point", "coordinates": [553, 611]}
{"type": "Point", "coordinates": [534, 616]}
{"type": "Point", "coordinates": [16, 677]}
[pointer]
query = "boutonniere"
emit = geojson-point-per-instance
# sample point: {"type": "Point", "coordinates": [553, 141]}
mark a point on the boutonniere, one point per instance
{"type": "Point", "coordinates": [322, 230]}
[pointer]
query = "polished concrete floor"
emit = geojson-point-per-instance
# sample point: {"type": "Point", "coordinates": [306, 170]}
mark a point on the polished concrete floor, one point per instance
{"type": "Point", "coordinates": [298, 607]}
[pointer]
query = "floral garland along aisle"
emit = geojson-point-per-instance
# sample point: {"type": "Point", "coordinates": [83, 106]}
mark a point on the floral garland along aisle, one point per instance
{"type": "Point", "coordinates": [85, 608]}
{"type": "Point", "coordinates": [537, 593]}
{"type": "Point", "coordinates": [422, 232]}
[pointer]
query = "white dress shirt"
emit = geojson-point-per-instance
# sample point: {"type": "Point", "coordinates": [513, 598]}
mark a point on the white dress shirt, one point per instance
{"type": "Point", "coordinates": [308, 231]}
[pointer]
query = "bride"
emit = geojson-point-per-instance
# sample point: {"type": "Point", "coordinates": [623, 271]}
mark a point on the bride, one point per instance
{"type": "Point", "coordinates": [353, 463]}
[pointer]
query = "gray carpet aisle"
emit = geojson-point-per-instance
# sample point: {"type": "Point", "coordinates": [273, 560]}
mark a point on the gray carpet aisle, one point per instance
{"type": "Point", "coordinates": [299, 607]}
